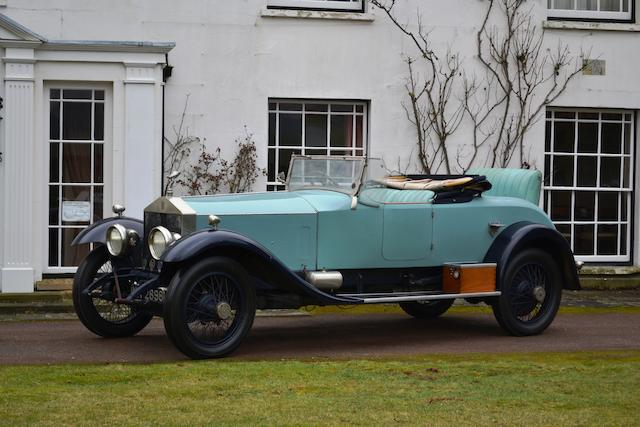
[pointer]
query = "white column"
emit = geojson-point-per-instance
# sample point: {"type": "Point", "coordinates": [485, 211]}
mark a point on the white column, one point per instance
{"type": "Point", "coordinates": [17, 183]}
{"type": "Point", "coordinates": [141, 168]}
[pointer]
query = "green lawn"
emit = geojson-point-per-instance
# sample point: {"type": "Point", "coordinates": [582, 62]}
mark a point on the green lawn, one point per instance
{"type": "Point", "coordinates": [555, 389]}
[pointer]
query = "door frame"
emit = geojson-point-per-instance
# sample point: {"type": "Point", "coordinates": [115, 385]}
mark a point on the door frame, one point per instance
{"type": "Point", "coordinates": [108, 159]}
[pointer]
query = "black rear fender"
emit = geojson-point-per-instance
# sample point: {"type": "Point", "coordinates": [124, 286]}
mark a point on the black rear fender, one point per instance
{"type": "Point", "coordinates": [523, 235]}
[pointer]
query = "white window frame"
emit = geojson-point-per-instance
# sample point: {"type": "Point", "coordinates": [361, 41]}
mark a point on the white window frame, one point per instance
{"type": "Point", "coordinates": [352, 151]}
{"type": "Point", "coordinates": [628, 191]}
{"type": "Point", "coordinates": [596, 15]}
{"type": "Point", "coordinates": [106, 170]}
{"type": "Point", "coordinates": [350, 6]}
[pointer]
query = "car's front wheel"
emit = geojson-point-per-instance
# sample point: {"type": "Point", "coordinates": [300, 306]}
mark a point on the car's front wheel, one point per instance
{"type": "Point", "coordinates": [209, 308]}
{"type": "Point", "coordinates": [98, 310]}
{"type": "Point", "coordinates": [426, 309]}
{"type": "Point", "coordinates": [530, 293]}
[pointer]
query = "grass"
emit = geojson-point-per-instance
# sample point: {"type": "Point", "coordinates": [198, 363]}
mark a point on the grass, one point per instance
{"type": "Point", "coordinates": [589, 388]}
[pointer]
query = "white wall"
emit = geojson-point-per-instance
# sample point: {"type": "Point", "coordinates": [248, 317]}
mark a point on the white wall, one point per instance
{"type": "Point", "coordinates": [230, 59]}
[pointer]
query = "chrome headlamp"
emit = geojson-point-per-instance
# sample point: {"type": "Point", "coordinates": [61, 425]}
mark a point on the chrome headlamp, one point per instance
{"type": "Point", "coordinates": [117, 240]}
{"type": "Point", "coordinates": [159, 239]}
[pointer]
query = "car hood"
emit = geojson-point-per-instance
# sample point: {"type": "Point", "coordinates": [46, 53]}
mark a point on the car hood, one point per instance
{"type": "Point", "coordinates": [269, 203]}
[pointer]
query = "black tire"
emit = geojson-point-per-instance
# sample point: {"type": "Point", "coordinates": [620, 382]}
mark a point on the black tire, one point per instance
{"type": "Point", "coordinates": [531, 293]}
{"type": "Point", "coordinates": [195, 315]}
{"type": "Point", "coordinates": [427, 309]}
{"type": "Point", "coordinates": [100, 316]}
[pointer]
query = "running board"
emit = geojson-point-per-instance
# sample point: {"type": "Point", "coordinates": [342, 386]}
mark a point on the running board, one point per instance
{"type": "Point", "coordinates": [414, 296]}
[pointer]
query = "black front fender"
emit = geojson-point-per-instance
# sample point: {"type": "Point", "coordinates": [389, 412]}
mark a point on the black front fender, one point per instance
{"type": "Point", "coordinates": [525, 234]}
{"type": "Point", "coordinates": [258, 260]}
{"type": "Point", "coordinates": [97, 232]}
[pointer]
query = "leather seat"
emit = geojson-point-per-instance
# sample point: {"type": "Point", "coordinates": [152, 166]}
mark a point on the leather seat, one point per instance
{"type": "Point", "coordinates": [390, 196]}
{"type": "Point", "coordinates": [521, 183]}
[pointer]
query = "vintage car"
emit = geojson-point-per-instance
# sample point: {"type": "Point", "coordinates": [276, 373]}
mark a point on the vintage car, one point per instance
{"type": "Point", "coordinates": [343, 232]}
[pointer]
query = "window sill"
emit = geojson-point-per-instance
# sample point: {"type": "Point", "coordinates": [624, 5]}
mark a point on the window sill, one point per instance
{"type": "Point", "coordinates": [609, 270]}
{"type": "Point", "coordinates": [317, 14]}
{"type": "Point", "coordinates": [591, 26]}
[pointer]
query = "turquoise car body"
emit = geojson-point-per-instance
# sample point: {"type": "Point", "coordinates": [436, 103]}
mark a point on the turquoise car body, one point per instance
{"type": "Point", "coordinates": [321, 230]}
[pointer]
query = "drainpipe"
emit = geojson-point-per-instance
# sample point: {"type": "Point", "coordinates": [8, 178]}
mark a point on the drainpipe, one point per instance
{"type": "Point", "coordinates": [166, 73]}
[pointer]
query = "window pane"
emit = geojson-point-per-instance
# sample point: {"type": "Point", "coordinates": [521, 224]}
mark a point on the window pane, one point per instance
{"type": "Point", "coordinates": [340, 108]}
{"type": "Point", "coordinates": [76, 94]}
{"type": "Point", "coordinates": [608, 206]}
{"type": "Point", "coordinates": [610, 172]}
{"type": "Point", "coordinates": [271, 166]}
{"type": "Point", "coordinates": [76, 123]}
{"type": "Point", "coordinates": [53, 247]}
{"type": "Point", "coordinates": [623, 206]}
{"type": "Point", "coordinates": [587, 137]}
{"type": "Point", "coordinates": [547, 167]}
{"type": "Point", "coordinates": [98, 132]}
{"type": "Point", "coordinates": [359, 131]}
{"type": "Point", "coordinates": [587, 170]}
{"type": "Point", "coordinates": [54, 94]}
{"type": "Point", "coordinates": [607, 239]}
{"type": "Point", "coordinates": [587, 4]}
{"type": "Point", "coordinates": [565, 230]}
{"type": "Point", "coordinates": [99, 94]}
{"type": "Point", "coordinates": [561, 205]}
{"type": "Point", "coordinates": [54, 205]}
{"type": "Point", "coordinates": [290, 129]}
{"type": "Point", "coordinates": [98, 165]}
{"type": "Point", "coordinates": [98, 202]}
{"type": "Point", "coordinates": [341, 131]}
{"type": "Point", "coordinates": [72, 255]}
{"type": "Point", "coordinates": [588, 116]}
{"type": "Point", "coordinates": [317, 107]}
{"type": "Point", "coordinates": [290, 107]}
{"type": "Point", "coordinates": [583, 239]}
{"type": "Point", "coordinates": [610, 5]}
{"type": "Point", "coordinates": [611, 137]}
{"type": "Point", "coordinates": [585, 205]}
{"type": "Point", "coordinates": [284, 157]}
{"type": "Point", "coordinates": [612, 116]}
{"type": "Point", "coordinates": [316, 130]}
{"type": "Point", "coordinates": [627, 139]}
{"type": "Point", "coordinates": [564, 137]}
{"type": "Point", "coordinates": [54, 120]}
{"type": "Point", "coordinates": [272, 129]}
{"type": "Point", "coordinates": [54, 162]}
{"type": "Point", "coordinates": [547, 136]}
{"type": "Point", "coordinates": [623, 239]}
{"type": "Point", "coordinates": [563, 171]}
{"type": "Point", "coordinates": [625, 173]}
{"type": "Point", "coordinates": [76, 162]}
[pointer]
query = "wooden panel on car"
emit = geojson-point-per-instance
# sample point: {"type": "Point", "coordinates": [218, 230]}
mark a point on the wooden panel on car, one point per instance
{"type": "Point", "coordinates": [468, 278]}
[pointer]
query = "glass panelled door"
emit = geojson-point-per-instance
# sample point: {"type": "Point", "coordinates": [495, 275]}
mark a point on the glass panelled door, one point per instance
{"type": "Point", "coordinates": [76, 170]}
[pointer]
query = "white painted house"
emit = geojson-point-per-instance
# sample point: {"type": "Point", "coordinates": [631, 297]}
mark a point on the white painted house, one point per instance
{"type": "Point", "coordinates": [87, 98]}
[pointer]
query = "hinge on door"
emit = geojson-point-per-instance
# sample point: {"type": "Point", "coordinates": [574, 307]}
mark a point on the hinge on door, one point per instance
{"type": "Point", "coordinates": [431, 245]}
{"type": "Point", "coordinates": [433, 214]}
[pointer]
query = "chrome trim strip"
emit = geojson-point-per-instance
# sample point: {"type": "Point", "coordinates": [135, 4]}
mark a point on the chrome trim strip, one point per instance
{"type": "Point", "coordinates": [427, 297]}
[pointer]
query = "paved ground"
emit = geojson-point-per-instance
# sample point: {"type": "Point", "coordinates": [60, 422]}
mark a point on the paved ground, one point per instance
{"type": "Point", "coordinates": [323, 336]}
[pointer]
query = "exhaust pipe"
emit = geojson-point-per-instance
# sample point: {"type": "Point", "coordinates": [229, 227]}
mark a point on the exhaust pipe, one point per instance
{"type": "Point", "coordinates": [324, 280]}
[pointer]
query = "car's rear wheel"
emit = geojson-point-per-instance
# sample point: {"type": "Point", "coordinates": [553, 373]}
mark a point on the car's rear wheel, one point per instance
{"type": "Point", "coordinates": [530, 293]}
{"type": "Point", "coordinates": [209, 308]}
{"type": "Point", "coordinates": [98, 311]}
{"type": "Point", "coordinates": [426, 309]}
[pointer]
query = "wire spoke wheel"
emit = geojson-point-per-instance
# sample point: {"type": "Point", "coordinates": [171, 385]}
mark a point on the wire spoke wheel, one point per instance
{"type": "Point", "coordinates": [531, 290]}
{"type": "Point", "coordinates": [98, 310]}
{"type": "Point", "coordinates": [211, 308]}
{"type": "Point", "coordinates": [107, 308]}
{"type": "Point", "coordinates": [528, 292]}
